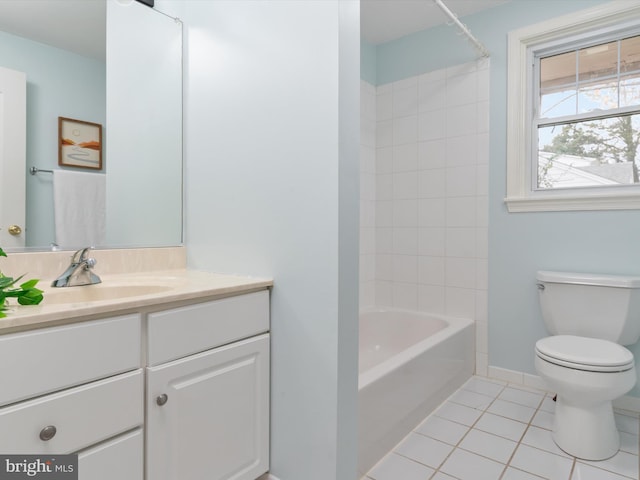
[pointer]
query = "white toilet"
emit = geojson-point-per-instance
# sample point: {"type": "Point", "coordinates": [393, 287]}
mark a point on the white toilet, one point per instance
{"type": "Point", "coordinates": [590, 317]}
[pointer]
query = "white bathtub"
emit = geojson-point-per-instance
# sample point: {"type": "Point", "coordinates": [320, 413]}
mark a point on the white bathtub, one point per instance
{"type": "Point", "coordinates": [409, 363]}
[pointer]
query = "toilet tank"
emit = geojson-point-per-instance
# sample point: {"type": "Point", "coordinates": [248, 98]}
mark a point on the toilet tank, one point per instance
{"type": "Point", "coordinates": [591, 305]}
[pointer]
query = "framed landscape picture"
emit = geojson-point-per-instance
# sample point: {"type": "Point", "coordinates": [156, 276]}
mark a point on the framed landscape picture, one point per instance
{"type": "Point", "coordinates": [79, 144]}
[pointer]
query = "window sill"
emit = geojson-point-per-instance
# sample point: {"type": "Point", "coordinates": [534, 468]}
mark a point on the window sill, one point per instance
{"type": "Point", "coordinates": [557, 203]}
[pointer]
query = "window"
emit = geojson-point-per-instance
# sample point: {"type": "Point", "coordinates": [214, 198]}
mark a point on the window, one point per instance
{"type": "Point", "coordinates": [573, 139]}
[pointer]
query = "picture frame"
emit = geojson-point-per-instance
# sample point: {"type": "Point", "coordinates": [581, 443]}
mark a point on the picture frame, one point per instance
{"type": "Point", "coordinates": [79, 144]}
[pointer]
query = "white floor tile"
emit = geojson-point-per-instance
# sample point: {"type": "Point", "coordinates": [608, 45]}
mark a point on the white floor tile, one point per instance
{"type": "Point", "coordinates": [423, 449]}
{"type": "Point", "coordinates": [515, 474]}
{"type": "Point", "coordinates": [488, 445]}
{"type": "Point", "coordinates": [587, 472]}
{"type": "Point", "coordinates": [504, 427]}
{"type": "Point", "coordinates": [521, 397]}
{"type": "Point", "coordinates": [395, 467]}
{"type": "Point", "coordinates": [622, 463]}
{"type": "Point", "coordinates": [541, 438]}
{"type": "Point", "coordinates": [539, 462]}
{"type": "Point", "coordinates": [548, 405]}
{"type": "Point", "coordinates": [469, 466]}
{"type": "Point", "coordinates": [543, 419]}
{"type": "Point", "coordinates": [458, 413]}
{"type": "Point", "coordinates": [442, 476]}
{"type": "Point", "coordinates": [442, 429]}
{"type": "Point", "coordinates": [512, 410]}
{"type": "Point", "coordinates": [471, 399]}
{"type": "Point", "coordinates": [485, 387]}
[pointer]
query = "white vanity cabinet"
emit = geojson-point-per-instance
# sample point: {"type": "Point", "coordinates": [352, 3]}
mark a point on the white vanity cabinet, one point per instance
{"type": "Point", "coordinates": [76, 389]}
{"type": "Point", "coordinates": [176, 390]}
{"type": "Point", "coordinates": [208, 390]}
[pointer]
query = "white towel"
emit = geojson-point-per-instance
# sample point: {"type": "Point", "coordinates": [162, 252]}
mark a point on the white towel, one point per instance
{"type": "Point", "coordinates": [79, 206]}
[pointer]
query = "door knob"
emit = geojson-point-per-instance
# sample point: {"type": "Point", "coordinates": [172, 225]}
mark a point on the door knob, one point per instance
{"type": "Point", "coordinates": [162, 399]}
{"type": "Point", "coordinates": [15, 230]}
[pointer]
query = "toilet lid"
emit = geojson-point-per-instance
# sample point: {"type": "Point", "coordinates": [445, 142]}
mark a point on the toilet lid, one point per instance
{"type": "Point", "coordinates": [582, 353]}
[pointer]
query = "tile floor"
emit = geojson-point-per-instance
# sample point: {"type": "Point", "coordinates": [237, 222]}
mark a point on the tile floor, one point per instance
{"type": "Point", "coordinates": [491, 430]}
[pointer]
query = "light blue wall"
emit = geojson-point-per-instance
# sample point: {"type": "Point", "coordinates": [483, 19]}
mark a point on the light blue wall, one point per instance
{"type": "Point", "coordinates": [59, 83]}
{"type": "Point", "coordinates": [368, 62]}
{"type": "Point", "coordinates": [271, 181]}
{"type": "Point", "coordinates": [519, 243]}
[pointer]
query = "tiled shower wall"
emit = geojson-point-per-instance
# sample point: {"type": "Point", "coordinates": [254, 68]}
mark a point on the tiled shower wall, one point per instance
{"type": "Point", "coordinates": [424, 219]}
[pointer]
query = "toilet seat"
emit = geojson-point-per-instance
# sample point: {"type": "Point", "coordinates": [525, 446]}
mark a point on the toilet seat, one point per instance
{"type": "Point", "coordinates": [583, 353]}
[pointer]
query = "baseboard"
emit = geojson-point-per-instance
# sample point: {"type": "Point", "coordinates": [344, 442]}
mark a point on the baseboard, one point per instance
{"type": "Point", "coordinates": [627, 402]}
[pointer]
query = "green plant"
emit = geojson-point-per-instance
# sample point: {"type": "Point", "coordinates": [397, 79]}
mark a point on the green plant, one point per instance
{"type": "Point", "coordinates": [26, 293]}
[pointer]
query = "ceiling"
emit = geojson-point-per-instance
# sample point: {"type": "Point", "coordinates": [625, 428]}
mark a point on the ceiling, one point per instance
{"type": "Point", "coordinates": [385, 20]}
{"type": "Point", "coordinates": [79, 25]}
{"type": "Point", "coordinates": [75, 25]}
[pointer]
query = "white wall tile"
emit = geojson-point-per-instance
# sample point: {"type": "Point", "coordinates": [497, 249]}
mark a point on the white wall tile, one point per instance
{"type": "Point", "coordinates": [384, 213]}
{"type": "Point", "coordinates": [405, 295]}
{"type": "Point", "coordinates": [411, 82]}
{"type": "Point", "coordinates": [432, 154]}
{"type": "Point", "coordinates": [384, 186]}
{"type": "Point", "coordinates": [405, 157]}
{"type": "Point", "coordinates": [461, 242]}
{"type": "Point", "coordinates": [405, 269]}
{"type": "Point", "coordinates": [462, 89]}
{"type": "Point", "coordinates": [405, 101]}
{"type": "Point", "coordinates": [459, 302]}
{"type": "Point", "coordinates": [432, 95]}
{"type": "Point", "coordinates": [405, 241]}
{"type": "Point", "coordinates": [431, 125]}
{"type": "Point", "coordinates": [384, 106]}
{"type": "Point", "coordinates": [461, 150]}
{"type": "Point", "coordinates": [384, 240]}
{"type": "Point", "coordinates": [432, 241]}
{"type": "Point", "coordinates": [431, 270]}
{"type": "Point", "coordinates": [384, 267]}
{"type": "Point", "coordinates": [461, 212]}
{"type": "Point", "coordinates": [405, 185]}
{"type": "Point", "coordinates": [384, 133]}
{"type": "Point", "coordinates": [461, 272]}
{"type": "Point", "coordinates": [405, 213]}
{"type": "Point", "coordinates": [461, 120]}
{"type": "Point", "coordinates": [384, 160]}
{"type": "Point", "coordinates": [405, 130]}
{"type": "Point", "coordinates": [431, 298]}
{"type": "Point", "coordinates": [461, 181]}
{"type": "Point", "coordinates": [432, 183]}
{"type": "Point", "coordinates": [432, 212]}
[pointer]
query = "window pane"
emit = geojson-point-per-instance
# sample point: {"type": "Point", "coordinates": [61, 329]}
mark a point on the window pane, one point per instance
{"type": "Point", "coordinates": [598, 77]}
{"type": "Point", "coordinates": [558, 85]}
{"type": "Point", "coordinates": [630, 72]}
{"type": "Point", "coordinates": [601, 152]}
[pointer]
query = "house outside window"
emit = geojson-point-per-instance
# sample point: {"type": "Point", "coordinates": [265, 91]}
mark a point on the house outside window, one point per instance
{"type": "Point", "coordinates": [574, 112]}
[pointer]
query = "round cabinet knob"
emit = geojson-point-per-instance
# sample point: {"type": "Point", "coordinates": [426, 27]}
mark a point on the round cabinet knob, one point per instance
{"type": "Point", "coordinates": [15, 230]}
{"type": "Point", "coordinates": [162, 399]}
{"type": "Point", "coordinates": [48, 432]}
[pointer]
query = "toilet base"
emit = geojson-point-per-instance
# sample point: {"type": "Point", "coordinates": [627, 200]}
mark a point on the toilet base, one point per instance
{"type": "Point", "coordinates": [587, 432]}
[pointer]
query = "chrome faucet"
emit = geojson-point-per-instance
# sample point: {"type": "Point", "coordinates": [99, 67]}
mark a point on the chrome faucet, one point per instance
{"type": "Point", "coordinates": [79, 271]}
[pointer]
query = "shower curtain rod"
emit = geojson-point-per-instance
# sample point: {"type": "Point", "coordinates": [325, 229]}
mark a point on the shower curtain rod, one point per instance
{"type": "Point", "coordinates": [476, 43]}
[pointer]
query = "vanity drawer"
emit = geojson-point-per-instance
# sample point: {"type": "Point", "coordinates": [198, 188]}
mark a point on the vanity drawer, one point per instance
{"type": "Point", "coordinates": [82, 416]}
{"type": "Point", "coordinates": [195, 328]}
{"type": "Point", "coordinates": [120, 458]}
{"type": "Point", "coordinates": [49, 359]}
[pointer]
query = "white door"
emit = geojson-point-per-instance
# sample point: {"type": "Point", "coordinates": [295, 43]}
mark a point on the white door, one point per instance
{"type": "Point", "coordinates": [13, 141]}
{"type": "Point", "coordinates": [208, 414]}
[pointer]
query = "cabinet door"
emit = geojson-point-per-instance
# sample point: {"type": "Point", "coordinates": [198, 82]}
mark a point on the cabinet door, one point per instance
{"type": "Point", "coordinates": [208, 414]}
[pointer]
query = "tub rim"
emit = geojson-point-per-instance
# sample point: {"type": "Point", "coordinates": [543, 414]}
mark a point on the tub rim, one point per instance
{"type": "Point", "coordinates": [454, 325]}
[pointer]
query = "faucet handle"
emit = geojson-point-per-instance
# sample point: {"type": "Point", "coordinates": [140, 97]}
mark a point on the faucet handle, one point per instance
{"type": "Point", "coordinates": [81, 255]}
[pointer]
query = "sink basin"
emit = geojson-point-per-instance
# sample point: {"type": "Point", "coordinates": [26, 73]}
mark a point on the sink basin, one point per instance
{"type": "Point", "coordinates": [99, 292]}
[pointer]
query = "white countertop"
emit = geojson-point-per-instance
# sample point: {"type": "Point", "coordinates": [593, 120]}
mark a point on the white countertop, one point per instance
{"type": "Point", "coordinates": [172, 287]}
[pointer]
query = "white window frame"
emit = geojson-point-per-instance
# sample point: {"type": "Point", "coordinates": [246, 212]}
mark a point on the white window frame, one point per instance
{"type": "Point", "coordinates": [522, 46]}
